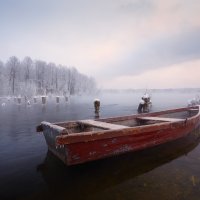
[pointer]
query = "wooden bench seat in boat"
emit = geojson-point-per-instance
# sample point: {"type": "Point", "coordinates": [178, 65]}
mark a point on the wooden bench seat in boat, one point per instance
{"type": "Point", "coordinates": [164, 119]}
{"type": "Point", "coordinates": [193, 109]}
{"type": "Point", "coordinates": [104, 125]}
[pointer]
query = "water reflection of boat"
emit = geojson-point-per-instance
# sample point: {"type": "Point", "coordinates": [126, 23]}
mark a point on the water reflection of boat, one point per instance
{"type": "Point", "coordinates": [94, 177]}
{"type": "Point", "coordinates": [86, 140]}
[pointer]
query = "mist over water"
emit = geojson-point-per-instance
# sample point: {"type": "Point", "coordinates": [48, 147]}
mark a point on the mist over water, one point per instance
{"type": "Point", "coordinates": [29, 171]}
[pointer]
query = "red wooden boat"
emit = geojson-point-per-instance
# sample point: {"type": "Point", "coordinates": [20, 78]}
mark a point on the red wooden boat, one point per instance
{"type": "Point", "coordinates": [81, 141]}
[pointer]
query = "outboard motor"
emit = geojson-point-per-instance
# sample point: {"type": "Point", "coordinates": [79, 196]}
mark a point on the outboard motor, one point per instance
{"type": "Point", "coordinates": [141, 106]}
{"type": "Point", "coordinates": [145, 104]}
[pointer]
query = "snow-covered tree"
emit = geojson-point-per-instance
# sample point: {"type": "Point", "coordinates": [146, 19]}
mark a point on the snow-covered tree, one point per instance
{"type": "Point", "coordinates": [30, 77]}
{"type": "Point", "coordinates": [13, 68]}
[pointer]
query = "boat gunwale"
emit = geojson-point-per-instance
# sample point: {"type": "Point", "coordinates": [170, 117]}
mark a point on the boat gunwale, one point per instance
{"type": "Point", "coordinates": [65, 138]}
{"type": "Point", "coordinates": [126, 117]}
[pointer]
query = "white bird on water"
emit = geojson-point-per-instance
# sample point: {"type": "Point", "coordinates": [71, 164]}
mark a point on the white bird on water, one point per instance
{"type": "Point", "coordinates": [3, 104]}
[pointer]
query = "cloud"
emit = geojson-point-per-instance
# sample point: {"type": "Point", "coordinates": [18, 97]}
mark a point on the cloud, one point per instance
{"type": "Point", "coordinates": [137, 7]}
{"type": "Point", "coordinates": [157, 53]}
{"type": "Point", "coordinates": [175, 76]}
{"type": "Point", "coordinates": [105, 39]}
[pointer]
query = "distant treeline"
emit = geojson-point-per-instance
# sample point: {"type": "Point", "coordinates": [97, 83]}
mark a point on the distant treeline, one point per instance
{"type": "Point", "coordinates": [28, 77]}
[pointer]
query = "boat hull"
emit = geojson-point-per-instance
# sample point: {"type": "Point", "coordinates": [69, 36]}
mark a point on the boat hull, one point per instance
{"type": "Point", "coordinates": [94, 150]}
{"type": "Point", "coordinates": [83, 147]}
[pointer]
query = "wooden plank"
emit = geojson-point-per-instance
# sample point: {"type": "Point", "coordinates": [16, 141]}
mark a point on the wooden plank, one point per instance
{"type": "Point", "coordinates": [193, 109]}
{"type": "Point", "coordinates": [52, 126]}
{"type": "Point", "coordinates": [164, 119]}
{"type": "Point", "coordinates": [104, 125]}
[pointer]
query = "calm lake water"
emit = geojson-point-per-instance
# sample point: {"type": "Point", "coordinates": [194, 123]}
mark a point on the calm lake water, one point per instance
{"type": "Point", "coordinates": [28, 171]}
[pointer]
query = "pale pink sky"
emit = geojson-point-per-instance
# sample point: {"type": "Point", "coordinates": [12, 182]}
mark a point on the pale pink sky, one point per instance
{"type": "Point", "coordinates": [121, 43]}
